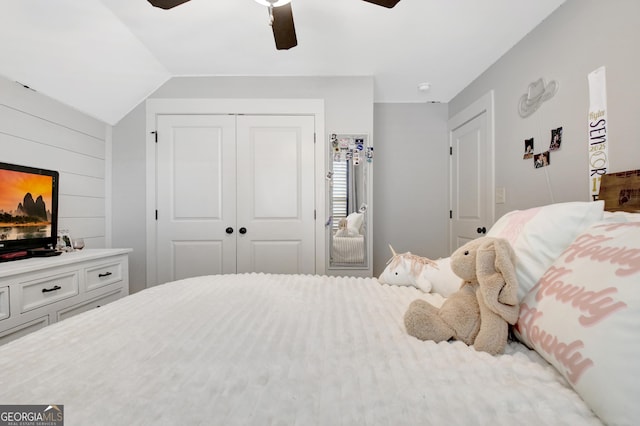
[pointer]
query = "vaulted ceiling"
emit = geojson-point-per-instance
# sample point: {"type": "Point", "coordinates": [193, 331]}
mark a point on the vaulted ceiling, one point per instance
{"type": "Point", "coordinates": [103, 57]}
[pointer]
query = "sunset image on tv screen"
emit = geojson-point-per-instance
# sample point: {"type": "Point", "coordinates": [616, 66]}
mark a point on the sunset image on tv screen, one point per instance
{"type": "Point", "coordinates": [25, 199]}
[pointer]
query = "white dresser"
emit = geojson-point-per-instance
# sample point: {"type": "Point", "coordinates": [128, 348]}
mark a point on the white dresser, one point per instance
{"type": "Point", "coordinates": [37, 292]}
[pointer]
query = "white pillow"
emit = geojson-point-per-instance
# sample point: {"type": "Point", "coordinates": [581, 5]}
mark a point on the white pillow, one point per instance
{"type": "Point", "coordinates": [540, 234]}
{"type": "Point", "coordinates": [354, 223]}
{"type": "Point", "coordinates": [583, 316]}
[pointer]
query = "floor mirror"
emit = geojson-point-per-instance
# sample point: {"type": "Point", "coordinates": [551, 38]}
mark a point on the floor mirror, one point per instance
{"type": "Point", "coordinates": [350, 161]}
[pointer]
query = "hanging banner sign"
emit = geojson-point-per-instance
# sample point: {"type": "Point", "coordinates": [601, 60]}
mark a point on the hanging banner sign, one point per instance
{"type": "Point", "coordinates": [598, 129]}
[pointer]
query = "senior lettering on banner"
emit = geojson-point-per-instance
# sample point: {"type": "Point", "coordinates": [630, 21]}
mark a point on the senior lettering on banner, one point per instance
{"type": "Point", "coordinates": [598, 140]}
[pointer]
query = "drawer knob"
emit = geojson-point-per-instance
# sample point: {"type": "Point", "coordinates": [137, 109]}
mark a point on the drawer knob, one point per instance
{"type": "Point", "coordinates": [106, 274]}
{"type": "Point", "coordinates": [54, 288]}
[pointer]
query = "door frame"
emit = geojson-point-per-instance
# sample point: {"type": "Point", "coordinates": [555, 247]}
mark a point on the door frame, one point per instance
{"type": "Point", "coordinates": [483, 105]}
{"type": "Point", "coordinates": [162, 106]}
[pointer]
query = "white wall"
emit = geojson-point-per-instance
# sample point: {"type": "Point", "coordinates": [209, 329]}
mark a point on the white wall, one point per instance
{"type": "Point", "coordinates": [579, 37]}
{"type": "Point", "coordinates": [348, 109]}
{"type": "Point", "coordinates": [129, 200]}
{"type": "Point", "coordinates": [37, 131]}
{"type": "Point", "coordinates": [348, 100]}
{"type": "Point", "coordinates": [410, 184]}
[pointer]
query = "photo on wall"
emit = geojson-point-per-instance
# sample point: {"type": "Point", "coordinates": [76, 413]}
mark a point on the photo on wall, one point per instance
{"type": "Point", "coordinates": [541, 160]}
{"type": "Point", "coordinates": [528, 149]}
{"type": "Point", "coordinates": [556, 139]}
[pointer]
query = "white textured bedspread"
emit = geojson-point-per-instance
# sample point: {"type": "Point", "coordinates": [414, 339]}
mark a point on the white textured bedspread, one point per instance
{"type": "Point", "coordinates": [260, 349]}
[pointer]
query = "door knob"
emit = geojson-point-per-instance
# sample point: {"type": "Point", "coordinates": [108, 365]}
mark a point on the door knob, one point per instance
{"type": "Point", "coordinates": [229, 230]}
{"type": "Point", "coordinates": [242, 230]}
{"type": "Point", "coordinates": [482, 230]}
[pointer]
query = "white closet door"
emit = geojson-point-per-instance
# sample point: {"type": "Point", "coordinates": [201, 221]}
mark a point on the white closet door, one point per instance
{"type": "Point", "coordinates": [276, 194]}
{"type": "Point", "coordinates": [196, 191]}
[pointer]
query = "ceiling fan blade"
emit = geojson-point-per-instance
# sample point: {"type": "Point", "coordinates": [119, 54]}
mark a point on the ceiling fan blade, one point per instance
{"type": "Point", "coordinates": [167, 4]}
{"type": "Point", "coordinates": [284, 31]}
{"type": "Point", "coordinates": [385, 3]}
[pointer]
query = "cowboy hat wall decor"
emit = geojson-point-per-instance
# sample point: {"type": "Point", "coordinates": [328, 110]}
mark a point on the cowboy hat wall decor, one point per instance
{"type": "Point", "coordinates": [537, 93]}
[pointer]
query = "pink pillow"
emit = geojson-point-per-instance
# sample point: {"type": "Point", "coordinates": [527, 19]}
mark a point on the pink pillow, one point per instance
{"type": "Point", "coordinates": [540, 234]}
{"type": "Point", "coordinates": [583, 316]}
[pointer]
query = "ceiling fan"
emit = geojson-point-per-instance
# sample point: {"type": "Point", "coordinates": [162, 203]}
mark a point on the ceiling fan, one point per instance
{"type": "Point", "coordinates": [280, 15]}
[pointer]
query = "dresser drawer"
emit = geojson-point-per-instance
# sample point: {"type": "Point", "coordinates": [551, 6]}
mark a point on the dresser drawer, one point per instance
{"type": "Point", "coordinates": [23, 329]}
{"type": "Point", "coordinates": [103, 274]}
{"type": "Point", "coordinates": [4, 303]}
{"type": "Point", "coordinates": [90, 304]}
{"type": "Point", "coordinates": [44, 291]}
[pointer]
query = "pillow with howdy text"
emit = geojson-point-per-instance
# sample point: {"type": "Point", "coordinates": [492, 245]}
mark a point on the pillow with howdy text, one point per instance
{"type": "Point", "coordinates": [538, 235]}
{"type": "Point", "coordinates": [583, 316]}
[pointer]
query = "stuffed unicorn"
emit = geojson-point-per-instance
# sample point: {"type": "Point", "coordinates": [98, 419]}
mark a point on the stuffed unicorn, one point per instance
{"type": "Point", "coordinates": [430, 276]}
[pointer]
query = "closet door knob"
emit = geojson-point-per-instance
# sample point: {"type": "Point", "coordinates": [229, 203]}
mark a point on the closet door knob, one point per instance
{"type": "Point", "coordinates": [242, 230]}
{"type": "Point", "coordinates": [482, 230]}
{"type": "Point", "coordinates": [229, 230]}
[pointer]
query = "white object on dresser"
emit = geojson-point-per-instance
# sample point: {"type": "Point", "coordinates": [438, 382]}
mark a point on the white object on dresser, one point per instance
{"type": "Point", "coordinates": [37, 292]}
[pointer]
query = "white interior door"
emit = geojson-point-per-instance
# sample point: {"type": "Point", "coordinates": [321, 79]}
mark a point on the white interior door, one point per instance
{"type": "Point", "coordinates": [196, 195]}
{"type": "Point", "coordinates": [275, 214]}
{"type": "Point", "coordinates": [472, 174]}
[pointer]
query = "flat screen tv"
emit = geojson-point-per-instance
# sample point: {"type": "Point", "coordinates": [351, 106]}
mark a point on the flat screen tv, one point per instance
{"type": "Point", "coordinates": [28, 210]}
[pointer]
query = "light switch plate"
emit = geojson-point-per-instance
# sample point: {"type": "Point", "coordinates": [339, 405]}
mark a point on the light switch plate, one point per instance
{"type": "Point", "coordinates": [501, 196]}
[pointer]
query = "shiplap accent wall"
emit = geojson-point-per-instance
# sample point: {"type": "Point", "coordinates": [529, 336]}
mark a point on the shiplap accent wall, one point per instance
{"type": "Point", "coordinates": [39, 132]}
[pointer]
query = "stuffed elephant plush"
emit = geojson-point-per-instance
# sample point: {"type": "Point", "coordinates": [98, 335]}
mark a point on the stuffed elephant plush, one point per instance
{"type": "Point", "coordinates": [480, 312]}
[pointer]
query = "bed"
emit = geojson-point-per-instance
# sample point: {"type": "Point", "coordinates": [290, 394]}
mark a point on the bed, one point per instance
{"type": "Point", "coordinates": [348, 250]}
{"type": "Point", "coordinates": [262, 349]}
{"type": "Point", "coordinates": [348, 242]}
